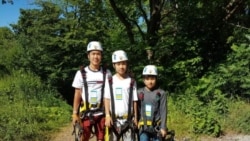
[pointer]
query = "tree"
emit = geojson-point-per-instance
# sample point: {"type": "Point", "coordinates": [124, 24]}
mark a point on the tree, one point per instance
{"type": "Point", "coordinates": [55, 37]}
{"type": "Point", "coordinates": [7, 1]}
{"type": "Point", "coordinates": [10, 50]}
{"type": "Point", "coordinates": [185, 39]}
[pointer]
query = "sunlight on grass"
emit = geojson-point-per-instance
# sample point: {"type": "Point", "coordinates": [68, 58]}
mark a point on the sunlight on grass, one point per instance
{"type": "Point", "coordinates": [177, 120]}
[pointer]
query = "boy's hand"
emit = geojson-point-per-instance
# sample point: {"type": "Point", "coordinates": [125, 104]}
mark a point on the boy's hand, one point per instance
{"type": "Point", "coordinates": [163, 133]}
{"type": "Point", "coordinates": [108, 121]}
{"type": "Point", "coordinates": [136, 123]}
{"type": "Point", "coordinates": [75, 118]}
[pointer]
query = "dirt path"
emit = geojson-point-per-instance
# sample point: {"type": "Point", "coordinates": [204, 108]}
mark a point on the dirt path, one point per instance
{"type": "Point", "coordinates": [65, 134]}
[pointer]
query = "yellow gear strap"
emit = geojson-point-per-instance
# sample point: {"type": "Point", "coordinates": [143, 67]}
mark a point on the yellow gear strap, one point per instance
{"type": "Point", "coordinates": [106, 137]}
{"type": "Point", "coordinates": [149, 122]}
{"type": "Point", "coordinates": [123, 116]}
{"type": "Point", "coordinates": [83, 107]}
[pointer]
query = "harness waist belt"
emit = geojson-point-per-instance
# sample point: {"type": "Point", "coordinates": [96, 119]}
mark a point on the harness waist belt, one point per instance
{"type": "Point", "coordinates": [91, 107]}
{"type": "Point", "coordinates": [121, 117]}
{"type": "Point", "coordinates": [149, 122]}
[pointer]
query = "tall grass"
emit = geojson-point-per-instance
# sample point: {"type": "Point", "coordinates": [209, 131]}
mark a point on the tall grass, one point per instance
{"type": "Point", "coordinates": [235, 121]}
{"type": "Point", "coordinates": [29, 109]}
{"type": "Point", "coordinates": [238, 119]}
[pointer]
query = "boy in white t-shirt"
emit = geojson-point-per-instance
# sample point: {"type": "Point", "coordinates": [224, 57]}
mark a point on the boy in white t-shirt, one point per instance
{"type": "Point", "coordinates": [122, 86]}
{"type": "Point", "coordinates": [89, 85]}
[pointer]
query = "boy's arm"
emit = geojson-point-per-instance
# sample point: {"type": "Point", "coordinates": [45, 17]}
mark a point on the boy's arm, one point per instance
{"type": "Point", "coordinates": [135, 112]}
{"type": "Point", "coordinates": [107, 93]}
{"type": "Point", "coordinates": [108, 120]}
{"type": "Point", "coordinates": [76, 103]}
{"type": "Point", "coordinates": [163, 111]}
{"type": "Point", "coordinates": [77, 100]}
{"type": "Point", "coordinates": [107, 106]}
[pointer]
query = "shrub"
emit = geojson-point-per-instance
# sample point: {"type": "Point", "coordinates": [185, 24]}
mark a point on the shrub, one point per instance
{"type": "Point", "coordinates": [29, 109]}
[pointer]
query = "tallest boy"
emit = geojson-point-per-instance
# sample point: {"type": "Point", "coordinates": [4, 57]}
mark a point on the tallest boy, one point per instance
{"type": "Point", "coordinates": [95, 79]}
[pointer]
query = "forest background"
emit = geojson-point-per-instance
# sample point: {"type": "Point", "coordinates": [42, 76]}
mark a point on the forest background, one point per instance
{"type": "Point", "coordinates": [201, 49]}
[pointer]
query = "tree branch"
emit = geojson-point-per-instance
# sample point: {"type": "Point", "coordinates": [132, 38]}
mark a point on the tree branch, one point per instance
{"type": "Point", "coordinates": [144, 15]}
{"type": "Point", "coordinates": [235, 4]}
{"type": "Point", "coordinates": [139, 28]}
{"type": "Point", "coordinates": [154, 22]}
{"type": "Point", "coordinates": [124, 20]}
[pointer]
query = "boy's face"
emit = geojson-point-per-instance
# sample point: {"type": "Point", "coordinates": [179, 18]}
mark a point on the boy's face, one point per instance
{"type": "Point", "coordinates": [95, 57]}
{"type": "Point", "coordinates": [149, 81]}
{"type": "Point", "coordinates": [120, 67]}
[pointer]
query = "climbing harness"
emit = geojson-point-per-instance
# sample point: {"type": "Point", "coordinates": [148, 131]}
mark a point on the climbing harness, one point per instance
{"type": "Point", "coordinates": [77, 131]}
{"type": "Point", "coordinates": [86, 106]}
{"type": "Point", "coordinates": [128, 124]}
{"type": "Point", "coordinates": [152, 126]}
{"type": "Point", "coordinates": [148, 123]}
{"type": "Point", "coordinates": [89, 111]}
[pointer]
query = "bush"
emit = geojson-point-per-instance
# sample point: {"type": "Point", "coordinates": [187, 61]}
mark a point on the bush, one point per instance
{"type": "Point", "coordinates": [29, 109]}
{"type": "Point", "coordinates": [239, 117]}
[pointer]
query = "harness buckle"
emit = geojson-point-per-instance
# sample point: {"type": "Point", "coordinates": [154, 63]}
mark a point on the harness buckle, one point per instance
{"type": "Point", "coordinates": [121, 117]}
{"type": "Point", "coordinates": [94, 106]}
{"type": "Point", "coordinates": [149, 123]}
{"type": "Point", "coordinates": [157, 128]}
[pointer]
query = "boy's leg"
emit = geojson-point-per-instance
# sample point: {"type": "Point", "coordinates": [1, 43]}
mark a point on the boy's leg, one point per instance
{"type": "Point", "coordinates": [86, 130]}
{"type": "Point", "coordinates": [144, 136]}
{"type": "Point", "coordinates": [157, 138]}
{"type": "Point", "coordinates": [128, 136]}
{"type": "Point", "coordinates": [100, 128]}
{"type": "Point", "coordinates": [112, 136]}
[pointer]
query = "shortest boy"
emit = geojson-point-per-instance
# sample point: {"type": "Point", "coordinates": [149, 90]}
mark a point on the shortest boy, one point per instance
{"type": "Point", "coordinates": [152, 107]}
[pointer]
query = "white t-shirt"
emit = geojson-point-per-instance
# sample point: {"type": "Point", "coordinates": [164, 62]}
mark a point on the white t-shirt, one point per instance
{"type": "Point", "coordinates": [94, 82]}
{"type": "Point", "coordinates": [121, 90]}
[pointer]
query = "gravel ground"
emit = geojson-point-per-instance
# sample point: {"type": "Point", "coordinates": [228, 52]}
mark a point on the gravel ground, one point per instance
{"type": "Point", "coordinates": [222, 138]}
{"type": "Point", "coordinates": [65, 134]}
{"type": "Point", "coordinates": [231, 138]}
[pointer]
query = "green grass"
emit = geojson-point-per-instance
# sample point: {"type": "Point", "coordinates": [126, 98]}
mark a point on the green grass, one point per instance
{"type": "Point", "coordinates": [236, 121]}
{"type": "Point", "coordinates": [177, 120]}
{"type": "Point", "coordinates": [32, 111]}
{"type": "Point", "coordinates": [29, 110]}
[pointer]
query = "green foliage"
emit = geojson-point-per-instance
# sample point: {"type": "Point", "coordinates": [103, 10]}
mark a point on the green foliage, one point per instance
{"type": "Point", "coordinates": [203, 115]}
{"type": "Point", "coordinates": [190, 42]}
{"type": "Point", "coordinates": [191, 119]}
{"type": "Point", "coordinates": [177, 119]}
{"type": "Point", "coordinates": [205, 100]}
{"type": "Point", "coordinates": [10, 50]}
{"type": "Point", "coordinates": [54, 46]}
{"type": "Point", "coordinates": [236, 71]}
{"type": "Point", "coordinates": [29, 109]}
{"type": "Point", "coordinates": [205, 123]}
{"type": "Point", "coordinates": [238, 119]}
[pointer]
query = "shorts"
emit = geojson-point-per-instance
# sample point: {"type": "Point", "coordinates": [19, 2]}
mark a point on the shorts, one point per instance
{"type": "Point", "coordinates": [99, 129]}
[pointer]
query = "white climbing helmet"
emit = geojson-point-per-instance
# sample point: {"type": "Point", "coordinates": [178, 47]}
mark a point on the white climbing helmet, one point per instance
{"type": "Point", "coordinates": [150, 70]}
{"type": "Point", "coordinates": [94, 45]}
{"type": "Point", "coordinates": [119, 56]}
